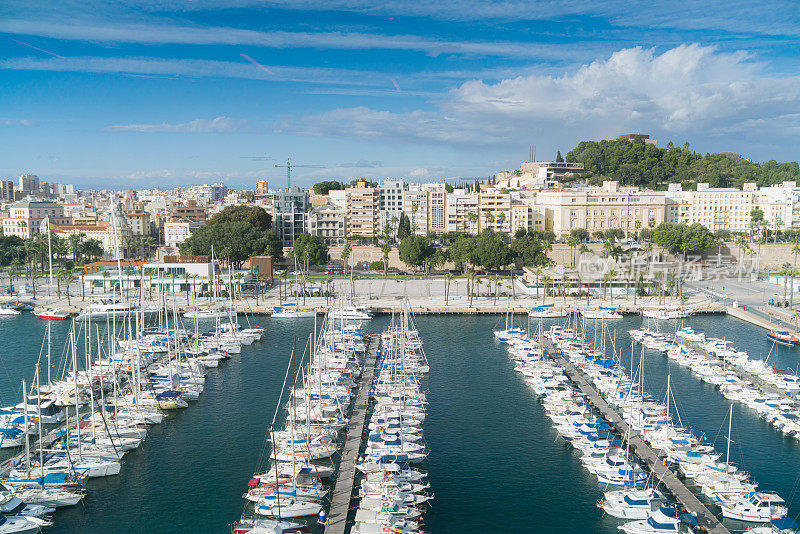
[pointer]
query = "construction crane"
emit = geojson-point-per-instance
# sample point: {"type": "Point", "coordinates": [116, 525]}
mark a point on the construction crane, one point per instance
{"type": "Point", "coordinates": [289, 166]}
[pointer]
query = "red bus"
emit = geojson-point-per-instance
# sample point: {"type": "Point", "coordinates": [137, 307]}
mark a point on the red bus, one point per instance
{"type": "Point", "coordinates": [333, 269]}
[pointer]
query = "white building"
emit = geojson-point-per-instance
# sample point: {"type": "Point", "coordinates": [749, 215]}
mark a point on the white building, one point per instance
{"type": "Point", "coordinates": [390, 202]}
{"type": "Point", "coordinates": [716, 208]}
{"type": "Point", "coordinates": [176, 232]}
{"type": "Point", "coordinates": [537, 174]}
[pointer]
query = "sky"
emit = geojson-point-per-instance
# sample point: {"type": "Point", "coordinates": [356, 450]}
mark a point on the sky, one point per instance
{"type": "Point", "coordinates": [134, 95]}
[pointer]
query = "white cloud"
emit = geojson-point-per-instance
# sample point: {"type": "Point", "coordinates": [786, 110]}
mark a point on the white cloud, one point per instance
{"type": "Point", "coordinates": [151, 66]}
{"type": "Point", "coordinates": [156, 32]}
{"type": "Point", "coordinates": [16, 122]}
{"type": "Point", "coordinates": [217, 125]}
{"type": "Point", "coordinates": [683, 90]}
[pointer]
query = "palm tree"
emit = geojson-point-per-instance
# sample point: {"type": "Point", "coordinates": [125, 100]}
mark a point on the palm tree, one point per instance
{"type": "Point", "coordinates": [105, 276]}
{"type": "Point", "coordinates": [328, 282]}
{"type": "Point", "coordinates": [538, 273]}
{"type": "Point", "coordinates": [545, 281]}
{"type": "Point", "coordinates": [778, 222]}
{"type": "Point", "coordinates": [305, 279]}
{"type": "Point", "coordinates": [283, 276]}
{"type": "Point", "coordinates": [573, 242]}
{"type": "Point", "coordinates": [795, 252]}
{"type": "Point", "coordinates": [564, 284]}
{"type": "Point", "coordinates": [609, 278]}
{"type": "Point", "coordinates": [66, 276]}
{"type": "Point", "coordinates": [471, 278]}
{"type": "Point", "coordinates": [447, 279]}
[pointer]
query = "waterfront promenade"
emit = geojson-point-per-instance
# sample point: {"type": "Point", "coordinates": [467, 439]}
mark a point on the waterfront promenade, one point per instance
{"type": "Point", "coordinates": [345, 479]}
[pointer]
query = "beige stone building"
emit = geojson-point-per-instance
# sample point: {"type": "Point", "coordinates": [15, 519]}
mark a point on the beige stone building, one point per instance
{"type": "Point", "coordinates": [361, 206]}
{"type": "Point", "coordinates": [601, 208]}
{"type": "Point", "coordinates": [462, 212]}
{"type": "Point", "coordinates": [714, 208]}
{"type": "Point", "coordinates": [25, 217]}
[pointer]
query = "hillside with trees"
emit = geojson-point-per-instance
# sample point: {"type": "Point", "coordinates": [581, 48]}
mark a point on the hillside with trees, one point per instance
{"type": "Point", "coordinates": [646, 165]}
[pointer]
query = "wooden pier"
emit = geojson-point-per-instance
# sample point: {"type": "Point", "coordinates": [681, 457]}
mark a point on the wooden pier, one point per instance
{"type": "Point", "coordinates": [667, 477]}
{"type": "Point", "coordinates": [345, 479]}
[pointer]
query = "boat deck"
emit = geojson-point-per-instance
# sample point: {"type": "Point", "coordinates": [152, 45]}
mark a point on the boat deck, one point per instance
{"type": "Point", "coordinates": [668, 478]}
{"type": "Point", "coordinates": [345, 480]}
{"type": "Point", "coordinates": [46, 442]}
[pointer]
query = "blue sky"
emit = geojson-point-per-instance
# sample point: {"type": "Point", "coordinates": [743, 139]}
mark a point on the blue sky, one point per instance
{"type": "Point", "coordinates": [137, 94]}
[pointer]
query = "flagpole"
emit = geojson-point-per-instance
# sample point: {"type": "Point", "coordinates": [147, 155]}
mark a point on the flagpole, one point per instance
{"type": "Point", "coordinates": [50, 253]}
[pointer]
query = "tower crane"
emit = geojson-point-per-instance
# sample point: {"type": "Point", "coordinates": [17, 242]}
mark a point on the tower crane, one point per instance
{"type": "Point", "coordinates": [289, 166]}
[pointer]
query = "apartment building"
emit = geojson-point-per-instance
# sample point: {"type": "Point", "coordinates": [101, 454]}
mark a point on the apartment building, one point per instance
{"type": "Point", "coordinates": [495, 210]}
{"type": "Point", "coordinates": [715, 208]}
{"type": "Point", "coordinates": [190, 210]}
{"type": "Point", "coordinates": [328, 221]}
{"type": "Point", "coordinates": [390, 195]}
{"type": "Point", "coordinates": [462, 212]}
{"type": "Point", "coordinates": [601, 208]}
{"type": "Point", "coordinates": [26, 216]}
{"type": "Point", "coordinates": [362, 211]}
{"type": "Point", "coordinates": [415, 206]}
{"type": "Point", "coordinates": [290, 214]}
{"type": "Point", "coordinates": [525, 214]}
{"type": "Point", "coordinates": [6, 190]}
{"type": "Point", "coordinates": [780, 204]}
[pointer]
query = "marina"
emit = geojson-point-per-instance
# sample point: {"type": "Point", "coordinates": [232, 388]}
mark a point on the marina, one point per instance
{"type": "Point", "coordinates": [221, 413]}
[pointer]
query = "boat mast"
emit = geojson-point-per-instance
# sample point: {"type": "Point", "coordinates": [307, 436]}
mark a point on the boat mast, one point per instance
{"type": "Point", "coordinates": [728, 451]}
{"type": "Point", "coordinates": [27, 441]}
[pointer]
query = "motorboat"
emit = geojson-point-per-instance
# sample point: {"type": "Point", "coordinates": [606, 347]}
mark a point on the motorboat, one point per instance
{"type": "Point", "coordinates": [205, 313]}
{"type": "Point", "coordinates": [783, 337]}
{"type": "Point", "coordinates": [601, 313]}
{"type": "Point", "coordinates": [350, 313]}
{"type": "Point", "coordinates": [291, 311]}
{"type": "Point", "coordinates": [52, 314]}
{"type": "Point", "coordinates": [665, 314]}
{"type": "Point", "coordinates": [630, 503]}
{"type": "Point", "coordinates": [269, 526]}
{"type": "Point", "coordinates": [756, 507]}
{"type": "Point", "coordinates": [7, 310]}
{"type": "Point", "coordinates": [663, 520]}
{"type": "Point", "coordinates": [777, 526]}
{"type": "Point", "coordinates": [107, 308]}
{"type": "Point", "coordinates": [547, 311]}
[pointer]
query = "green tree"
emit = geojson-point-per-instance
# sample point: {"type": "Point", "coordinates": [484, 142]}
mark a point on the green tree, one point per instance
{"type": "Point", "coordinates": [311, 250]}
{"type": "Point", "coordinates": [253, 215]}
{"type": "Point", "coordinates": [346, 250]}
{"type": "Point", "coordinates": [92, 249]}
{"type": "Point", "coordinates": [460, 251]}
{"type": "Point", "coordinates": [531, 250]}
{"type": "Point", "coordinates": [241, 240]}
{"type": "Point", "coordinates": [491, 250]}
{"type": "Point", "coordinates": [415, 250]}
{"type": "Point", "coordinates": [324, 187]}
{"type": "Point", "coordinates": [403, 227]}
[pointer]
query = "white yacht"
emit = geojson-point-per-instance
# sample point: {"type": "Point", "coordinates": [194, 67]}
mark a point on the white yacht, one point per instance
{"type": "Point", "coordinates": [601, 313]}
{"type": "Point", "coordinates": [350, 313]}
{"type": "Point", "coordinates": [290, 311]}
{"type": "Point", "coordinates": [107, 308]}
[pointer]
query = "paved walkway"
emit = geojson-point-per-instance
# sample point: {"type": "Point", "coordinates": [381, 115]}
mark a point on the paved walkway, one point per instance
{"type": "Point", "coordinates": [345, 479]}
{"type": "Point", "coordinates": [688, 499]}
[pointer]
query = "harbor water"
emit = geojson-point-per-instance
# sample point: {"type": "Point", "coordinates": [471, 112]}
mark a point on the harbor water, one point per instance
{"type": "Point", "coordinates": [495, 463]}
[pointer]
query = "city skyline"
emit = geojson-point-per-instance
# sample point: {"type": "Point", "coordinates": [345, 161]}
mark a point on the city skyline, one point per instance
{"type": "Point", "coordinates": [137, 95]}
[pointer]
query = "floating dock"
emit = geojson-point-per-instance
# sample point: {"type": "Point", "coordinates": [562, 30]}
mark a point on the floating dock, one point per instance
{"type": "Point", "coordinates": [678, 489]}
{"type": "Point", "coordinates": [345, 479]}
